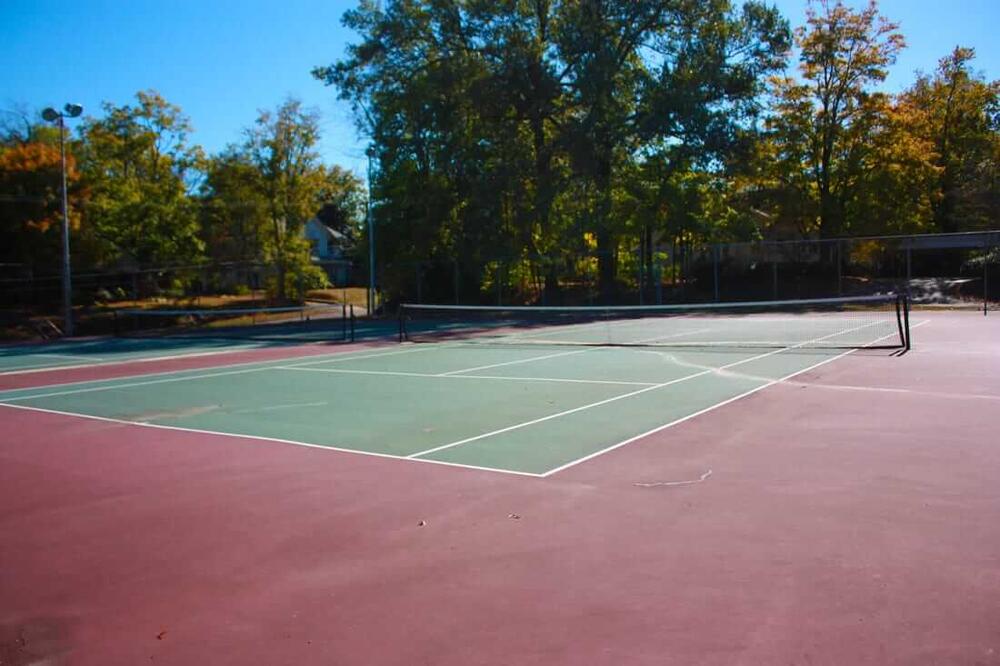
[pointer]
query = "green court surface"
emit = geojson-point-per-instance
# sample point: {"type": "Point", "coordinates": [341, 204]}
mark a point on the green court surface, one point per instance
{"type": "Point", "coordinates": [531, 411]}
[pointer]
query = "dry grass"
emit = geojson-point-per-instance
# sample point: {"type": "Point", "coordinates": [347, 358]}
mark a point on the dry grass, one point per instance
{"type": "Point", "coordinates": [349, 295]}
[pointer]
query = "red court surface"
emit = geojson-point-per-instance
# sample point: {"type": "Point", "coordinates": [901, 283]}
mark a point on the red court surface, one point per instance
{"type": "Point", "coordinates": [851, 516]}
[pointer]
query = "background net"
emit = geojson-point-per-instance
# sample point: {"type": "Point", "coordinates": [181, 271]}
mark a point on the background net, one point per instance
{"type": "Point", "coordinates": [292, 324]}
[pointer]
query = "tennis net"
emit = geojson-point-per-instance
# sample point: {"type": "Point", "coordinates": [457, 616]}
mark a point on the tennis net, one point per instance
{"type": "Point", "coordinates": [310, 323]}
{"type": "Point", "coordinates": [838, 323]}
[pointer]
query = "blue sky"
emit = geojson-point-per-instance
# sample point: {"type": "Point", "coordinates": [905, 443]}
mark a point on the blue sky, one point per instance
{"type": "Point", "coordinates": [222, 60]}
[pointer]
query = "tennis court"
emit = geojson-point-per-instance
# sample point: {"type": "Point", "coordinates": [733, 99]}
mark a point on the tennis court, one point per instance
{"type": "Point", "coordinates": [529, 401]}
{"type": "Point", "coordinates": [766, 486]}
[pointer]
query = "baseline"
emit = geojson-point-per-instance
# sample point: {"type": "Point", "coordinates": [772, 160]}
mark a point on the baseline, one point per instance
{"type": "Point", "coordinates": [361, 452]}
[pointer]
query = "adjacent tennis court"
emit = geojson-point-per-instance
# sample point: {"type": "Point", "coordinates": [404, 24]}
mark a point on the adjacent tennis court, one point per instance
{"type": "Point", "coordinates": [529, 400]}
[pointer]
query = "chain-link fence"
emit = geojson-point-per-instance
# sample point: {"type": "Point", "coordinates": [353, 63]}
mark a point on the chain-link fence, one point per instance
{"type": "Point", "coordinates": [27, 297]}
{"type": "Point", "coordinates": [937, 268]}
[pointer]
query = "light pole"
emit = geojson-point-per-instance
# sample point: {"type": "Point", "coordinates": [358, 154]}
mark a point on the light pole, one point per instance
{"type": "Point", "coordinates": [371, 241]}
{"type": "Point", "coordinates": [53, 116]}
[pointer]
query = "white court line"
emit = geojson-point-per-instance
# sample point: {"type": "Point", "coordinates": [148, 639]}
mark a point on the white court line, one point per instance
{"type": "Point", "coordinates": [92, 358]}
{"type": "Point", "coordinates": [710, 408]}
{"type": "Point", "coordinates": [523, 360]}
{"type": "Point", "coordinates": [566, 353]}
{"type": "Point", "coordinates": [113, 387]}
{"type": "Point", "coordinates": [273, 364]}
{"type": "Point", "coordinates": [360, 452]}
{"type": "Point", "coordinates": [393, 373]}
{"type": "Point", "coordinates": [411, 456]}
{"type": "Point", "coordinates": [630, 394]}
{"type": "Point", "coordinates": [25, 369]}
{"type": "Point", "coordinates": [29, 369]}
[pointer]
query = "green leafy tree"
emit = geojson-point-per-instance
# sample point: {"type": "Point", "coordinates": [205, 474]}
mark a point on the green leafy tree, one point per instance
{"type": "Point", "coordinates": [508, 128]}
{"type": "Point", "coordinates": [234, 214]}
{"type": "Point", "coordinates": [957, 112]}
{"type": "Point", "coordinates": [820, 125]}
{"type": "Point", "coordinates": [293, 185]}
{"type": "Point", "coordinates": [137, 164]}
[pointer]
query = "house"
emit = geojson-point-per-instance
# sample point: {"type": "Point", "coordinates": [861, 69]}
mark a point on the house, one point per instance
{"type": "Point", "coordinates": [328, 248]}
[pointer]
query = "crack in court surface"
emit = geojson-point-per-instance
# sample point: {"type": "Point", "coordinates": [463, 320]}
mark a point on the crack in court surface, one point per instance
{"type": "Point", "coordinates": [272, 408]}
{"type": "Point", "coordinates": [658, 484]}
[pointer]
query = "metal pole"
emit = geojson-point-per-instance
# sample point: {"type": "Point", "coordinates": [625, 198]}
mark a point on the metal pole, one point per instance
{"type": "Point", "coordinates": [658, 276]}
{"type": "Point", "coordinates": [909, 270]}
{"type": "Point", "coordinates": [715, 269]}
{"type": "Point", "coordinates": [67, 285]}
{"type": "Point", "coordinates": [371, 243]}
{"type": "Point", "coordinates": [499, 283]}
{"type": "Point", "coordinates": [642, 264]}
{"type": "Point", "coordinates": [840, 280]}
{"type": "Point", "coordinates": [986, 275]}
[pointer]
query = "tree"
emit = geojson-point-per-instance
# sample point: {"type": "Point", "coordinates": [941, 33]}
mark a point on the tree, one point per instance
{"type": "Point", "coordinates": [819, 126]}
{"type": "Point", "coordinates": [234, 212]}
{"type": "Point", "coordinates": [343, 201]}
{"type": "Point", "coordinates": [294, 184]}
{"type": "Point", "coordinates": [957, 112]}
{"type": "Point", "coordinates": [18, 125]}
{"type": "Point", "coordinates": [138, 165]}
{"type": "Point", "coordinates": [30, 195]}
{"type": "Point", "coordinates": [509, 127]}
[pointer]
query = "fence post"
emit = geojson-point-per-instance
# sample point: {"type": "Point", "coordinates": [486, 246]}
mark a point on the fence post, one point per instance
{"type": "Point", "coordinates": [840, 276]}
{"type": "Point", "coordinates": [715, 269]}
{"type": "Point", "coordinates": [909, 269]}
{"type": "Point", "coordinates": [658, 277]}
{"type": "Point", "coordinates": [499, 281]}
{"type": "Point", "coordinates": [986, 276]}
{"type": "Point", "coordinates": [642, 265]}
{"type": "Point", "coordinates": [455, 280]}
{"type": "Point", "coordinates": [774, 279]}
{"type": "Point", "coordinates": [419, 283]}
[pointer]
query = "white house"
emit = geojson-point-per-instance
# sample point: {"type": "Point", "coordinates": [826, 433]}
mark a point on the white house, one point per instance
{"type": "Point", "coordinates": [327, 248]}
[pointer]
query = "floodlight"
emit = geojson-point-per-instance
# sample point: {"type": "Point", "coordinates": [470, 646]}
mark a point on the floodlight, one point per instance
{"type": "Point", "coordinates": [53, 116]}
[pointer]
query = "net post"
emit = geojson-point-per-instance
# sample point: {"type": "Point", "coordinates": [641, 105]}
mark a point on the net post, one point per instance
{"type": "Point", "coordinates": [401, 314]}
{"type": "Point", "coordinates": [899, 319]}
{"type": "Point", "coordinates": [343, 321]}
{"type": "Point", "coordinates": [351, 312]}
{"type": "Point", "coordinates": [986, 275]}
{"type": "Point", "coordinates": [906, 319]}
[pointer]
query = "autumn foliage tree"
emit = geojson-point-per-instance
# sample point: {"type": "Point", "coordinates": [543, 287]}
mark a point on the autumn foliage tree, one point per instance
{"type": "Point", "coordinates": [956, 112]}
{"type": "Point", "coordinates": [30, 212]}
{"type": "Point", "coordinates": [822, 122]}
